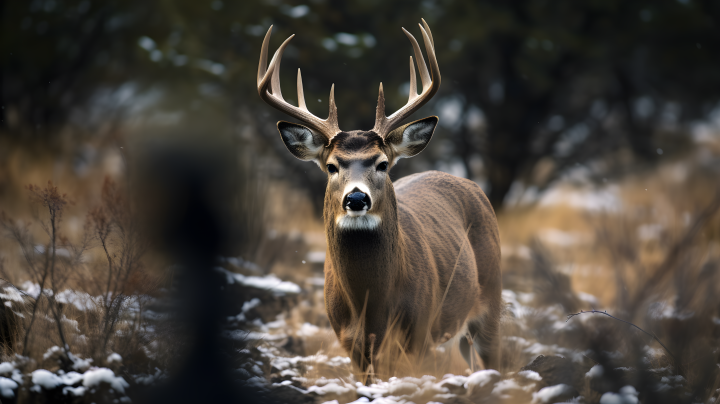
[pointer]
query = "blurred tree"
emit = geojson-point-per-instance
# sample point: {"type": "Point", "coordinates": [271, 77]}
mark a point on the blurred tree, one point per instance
{"type": "Point", "coordinates": [530, 88]}
{"type": "Point", "coordinates": [562, 82]}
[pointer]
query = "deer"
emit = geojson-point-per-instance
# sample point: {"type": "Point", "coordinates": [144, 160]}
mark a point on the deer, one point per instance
{"type": "Point", "coordinates": [421, 254]}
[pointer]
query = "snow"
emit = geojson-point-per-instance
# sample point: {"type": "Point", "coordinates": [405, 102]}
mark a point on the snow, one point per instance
{"type": "Point", "coordinates": [94, 377]}
{"type": "Point", "coordinates": [588, 298]}
{"type": "Point", "coordinates": [79, 363]}
{"type": "Point", "coordinates": [546, 394]}
{"type": "Point", "coordinates": [530, 375]}
{"type": "Point", "coordinates": [307, 330]}
{"type": "Point", "coordinates": [518, 310]}
{"type": "Point", "coordinates": [334, 386]}
{"type": "Point", "coordinates": [82, 301]}
{"type": "Point", "coordinates": [46, 379]}
{"type": "Point", "coordinates": [33, 289]}
{"type": "Point", "coordinates": [316, 257]}
{"type": "Point", "coordinates": [520, 251]}
{"type": "Point", "coordinates": [595, 371]}
{"type": "Point", "coordinates": [113, 357]}
{"type": "Point", "coordinates": [7, 367]}
{"type": "Point", "coordinates": [12, 294]}
{"type": "Point", "coordinates": [604, 199]}
{"type": "Point", "coordinates": [402, 388]}
{"type": "Point", "coordinates": [562, 238]}
{"type": "Point", "coordinates": [241, 263]}
{"type": "Point", "coordinates": [150, 379]}
{"type": "Point", "coordinates": [269, 282]}
{"type": "Point", "coordinates": [240, 335]}
{"type": "Point", "coordinates": [7, 386]}
{"type": "Point", "coordinates": [75, 391]}
{"type": "Point", "coordinates": [481, 378]}
{"type": "Point", "coordinates": [254, 302]}
{"type": "Point", "coordinates": [71, 378]}
{"type": "Point", "coordinates": [504, 386]}
{"type": "Point", "coordinates": [628, 395]}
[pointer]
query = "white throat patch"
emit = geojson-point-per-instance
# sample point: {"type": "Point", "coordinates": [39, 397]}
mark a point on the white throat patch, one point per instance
{"type": "Point", "coordinates": [365, 222]}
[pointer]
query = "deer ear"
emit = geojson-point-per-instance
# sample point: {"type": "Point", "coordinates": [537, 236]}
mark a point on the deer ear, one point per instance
{"type": "Point", "coordinates": [410, 139]}
{"type": "Point", "coordinates": [302, 142]}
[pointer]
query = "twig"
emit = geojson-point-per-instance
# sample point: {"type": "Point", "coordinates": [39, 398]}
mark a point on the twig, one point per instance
{"type": "Point", "coordinates": [626, 322]}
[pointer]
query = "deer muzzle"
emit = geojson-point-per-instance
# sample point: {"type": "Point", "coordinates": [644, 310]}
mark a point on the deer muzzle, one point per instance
{"type": "Point", "coordinates": [357, 203]}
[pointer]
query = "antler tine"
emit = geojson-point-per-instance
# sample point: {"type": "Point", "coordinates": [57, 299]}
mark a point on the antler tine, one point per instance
{"type": "Point", "coordinates": [276, 60]}
{"type": "Point", "coordinates": [431, 84]}
{"type": "Point", "coordinates": [413, 83]}
{"type": "Point", "coordinates": [380, 109]}
{"type": "Point", "coordinates": [268, 83]}
{"type": "Point", "coordinates": [262, 67]}
{"type": "Point", "coordinates": [332, 114]}
{"type": "Point", "coordinates": [301, 93]}
{"type": "Point", "coordinates": [424, 74]}
{"type": "Point", "coordinates": [432, 58]}
{"type": "Point", "coordinates": [427, 29]}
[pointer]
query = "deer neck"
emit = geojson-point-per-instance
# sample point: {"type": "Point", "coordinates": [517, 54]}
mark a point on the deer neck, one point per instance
{"type": "Point", "coordinates": [367, 263]}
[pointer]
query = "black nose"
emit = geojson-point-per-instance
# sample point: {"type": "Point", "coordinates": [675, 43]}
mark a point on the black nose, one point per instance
{"type": "Point", "coordinates": [357, 201]}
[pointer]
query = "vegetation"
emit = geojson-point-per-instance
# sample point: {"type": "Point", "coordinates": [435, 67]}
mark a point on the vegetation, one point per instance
{"type": "Point", "coordinates": [177, 253]}
{"type": "Point", "coordinates": [531, 88]}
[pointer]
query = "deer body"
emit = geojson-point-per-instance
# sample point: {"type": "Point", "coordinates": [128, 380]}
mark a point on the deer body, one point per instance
{"type": "Point", "coordinates": [420, 257]}
{"type": "Point", "coordinates": [435, 267]}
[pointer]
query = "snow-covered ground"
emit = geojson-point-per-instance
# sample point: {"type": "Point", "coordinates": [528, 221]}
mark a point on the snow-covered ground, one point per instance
{"type": "Point", "coordinates": [543, 364]}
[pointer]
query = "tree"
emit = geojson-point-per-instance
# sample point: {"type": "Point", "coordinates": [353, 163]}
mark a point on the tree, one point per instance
{"type": "Point", "coordinates": [530, 89]}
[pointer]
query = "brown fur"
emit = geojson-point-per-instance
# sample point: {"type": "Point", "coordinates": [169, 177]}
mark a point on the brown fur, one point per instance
{"type": "Point", "coordinates": [433, 262]}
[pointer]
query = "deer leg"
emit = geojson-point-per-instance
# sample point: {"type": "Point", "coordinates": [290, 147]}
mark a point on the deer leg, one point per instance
{"type": "Point", "coordinates": [485, 332]}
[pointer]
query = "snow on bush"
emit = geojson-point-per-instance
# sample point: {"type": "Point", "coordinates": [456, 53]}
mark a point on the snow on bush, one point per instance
{"type": "Point", "coordinates": [45, 379]}
{"type": "Point", "coordinates": [113, 357]}
{"type": "Point", "coordinates": [481, 378]}
{"type": "Point", "coordinates": [628, 395]}
{"type": "Point", "coordinates": [595, 371]}
{"type": "Point", "coordinates": [547, 394]}
{"type": "Point", "coordinates": [530, 375]}
{"type": "Point", "coordinates": [94, 377]}
{"type": "Point", "coordinates": [7, 367]}
{"type": "Point", "coordinates": [7, 386]}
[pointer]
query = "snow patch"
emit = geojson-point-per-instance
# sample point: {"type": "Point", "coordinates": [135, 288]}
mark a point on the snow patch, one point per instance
{"type": "Point", "coordinates": [7, 387]}
{"type": "Point", "coordinates": [45, 379]}
{"type": "Point", "coordinates": [269, 282]}
{"type": "Point", "coordinates": [530, 374]}
{"type": "Point", "coordinates": [481, 378]}
{"type": "Point", "coordinates": [628, 395]}
{"type": "Point", "coordinates": [547, 394]}
{"type": "Point", "coordinates": [7, 367]}
{"type": "Point", "coordinates": [96, 376]}
{"type": "Point", "coordinates": [595, 371]}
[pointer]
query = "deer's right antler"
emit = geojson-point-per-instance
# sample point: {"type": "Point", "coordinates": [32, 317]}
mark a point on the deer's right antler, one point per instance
{"type": "Point", "coordinates": [430, 84]}
{"type": "Point", "coordinates": [268, 84]}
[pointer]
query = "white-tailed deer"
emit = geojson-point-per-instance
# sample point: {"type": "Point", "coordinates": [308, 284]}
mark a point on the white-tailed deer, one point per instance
{"type": "Point", "coordinates": [422, 254]}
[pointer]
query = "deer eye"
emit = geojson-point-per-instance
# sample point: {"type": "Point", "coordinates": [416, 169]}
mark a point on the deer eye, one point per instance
{"type": "Point", "coordinates": [332, 169]}
{"type": "Point", "coordinates": [382, 166]}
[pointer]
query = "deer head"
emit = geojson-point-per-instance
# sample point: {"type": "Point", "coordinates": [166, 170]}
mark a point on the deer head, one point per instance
{"type": "Point", "coordinates": [356, 162]}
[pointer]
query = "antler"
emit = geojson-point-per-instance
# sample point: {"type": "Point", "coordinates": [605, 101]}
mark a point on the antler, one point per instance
{"type": "Point", "coordinates": [431, 84]}
{"type": "Point", "coordinates": [268, 83]}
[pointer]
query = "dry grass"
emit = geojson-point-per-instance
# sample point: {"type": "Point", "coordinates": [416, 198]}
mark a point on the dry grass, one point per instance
{"type": "Point", "coordinates": [86, 297]}
{"type": "Point", "coordinates": [654, 262]}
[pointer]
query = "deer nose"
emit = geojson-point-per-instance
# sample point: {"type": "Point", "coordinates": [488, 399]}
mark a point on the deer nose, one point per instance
{"type": "Point", "coordinates": [357, 201]}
